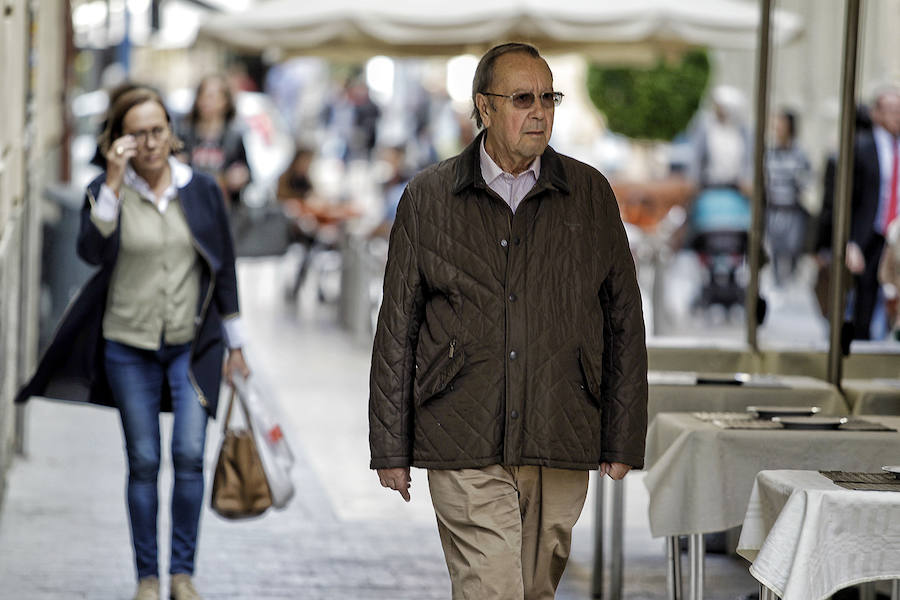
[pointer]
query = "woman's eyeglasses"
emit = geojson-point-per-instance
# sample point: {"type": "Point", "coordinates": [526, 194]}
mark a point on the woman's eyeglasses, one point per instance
{"type": "Point", "coordinates": [526, 99]}
{"type": "Point", "coordinates": [156, 134]}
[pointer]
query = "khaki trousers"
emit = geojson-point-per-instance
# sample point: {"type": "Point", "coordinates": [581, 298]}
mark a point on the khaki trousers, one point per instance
{"type": "Point", "coordinates": [506, 531]}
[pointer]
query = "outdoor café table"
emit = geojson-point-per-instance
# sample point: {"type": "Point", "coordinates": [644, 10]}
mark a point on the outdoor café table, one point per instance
{"type": "Point", "coordinates": [807, 537]}
{"type": "Point", "coordinates": [879, 396]}
{"type": "Point", "coordinates": [679, 391]}
{"type": "Point", "coordinates": [867, 359]}
{"type": "Point", "coordinates": [690, 353]}
{"type": "Point", "coordinates": [700, 475]}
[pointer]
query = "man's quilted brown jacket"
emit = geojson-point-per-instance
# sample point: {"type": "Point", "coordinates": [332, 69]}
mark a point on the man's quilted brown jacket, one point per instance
{"type": "Point", "coordinates": [508, 339]}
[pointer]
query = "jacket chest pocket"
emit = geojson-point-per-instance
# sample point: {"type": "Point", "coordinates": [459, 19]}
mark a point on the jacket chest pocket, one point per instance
{"type": "Point", "coordinates": [435, 378]}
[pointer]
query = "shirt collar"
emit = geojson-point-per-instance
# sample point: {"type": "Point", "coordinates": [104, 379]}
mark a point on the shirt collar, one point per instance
{"type": "Point", "coordinates": [491, 170]}
{"type": "Point", "coordinates": [181, 176]}
{"type": "Point", "coordinates": [882, 135]}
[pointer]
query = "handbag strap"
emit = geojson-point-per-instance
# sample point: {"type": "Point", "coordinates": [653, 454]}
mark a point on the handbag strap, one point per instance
{"type": "Point", "coordinates": [240, 401]}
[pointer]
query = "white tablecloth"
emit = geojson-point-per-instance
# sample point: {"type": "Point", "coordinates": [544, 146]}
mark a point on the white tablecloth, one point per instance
{"type": "Point", "coordinates": [700, 476]}
{"type": "Point", "coordinates": [677, 391]}
{"type": "Point", "coordinates": [878, 396]}
{"type": "Point", "coordinates": [808, 537]}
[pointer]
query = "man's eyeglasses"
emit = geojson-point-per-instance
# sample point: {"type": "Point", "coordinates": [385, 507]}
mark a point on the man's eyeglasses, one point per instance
{"type": "Point", "coordinates": [155, 134]}
{"type": "Point", "coordinates": [526, 99]}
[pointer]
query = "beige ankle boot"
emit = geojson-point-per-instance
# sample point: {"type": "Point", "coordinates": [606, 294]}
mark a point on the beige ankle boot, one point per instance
{"type": "Point", "coordinates": [182, 588]}
{"type": "Point", "coordinates": [148, 589]}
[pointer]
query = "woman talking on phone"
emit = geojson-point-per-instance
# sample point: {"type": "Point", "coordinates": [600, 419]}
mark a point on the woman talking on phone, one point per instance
{"type": "Point", "coordinates": [148, 332]}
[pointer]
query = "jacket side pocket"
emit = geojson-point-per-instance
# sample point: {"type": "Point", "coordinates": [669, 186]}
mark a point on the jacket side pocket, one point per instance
{"type": "Point", "coordinates": [589, 376]}
{"type": "Point", "coordinates": [440, 374]}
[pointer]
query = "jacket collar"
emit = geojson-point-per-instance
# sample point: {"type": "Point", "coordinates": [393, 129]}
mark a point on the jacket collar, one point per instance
{"type": "Point", "coordinates": [468, 170]}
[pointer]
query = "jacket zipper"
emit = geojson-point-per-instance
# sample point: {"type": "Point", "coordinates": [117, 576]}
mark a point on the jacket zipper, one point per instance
{"type": "Point", "coordinates": [452, 347]}
{"type": "Point", "coordinates": [202, 316]}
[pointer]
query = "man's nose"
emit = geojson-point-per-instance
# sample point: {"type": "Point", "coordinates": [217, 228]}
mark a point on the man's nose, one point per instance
{"type": "Point", "coordinates": [537, 110]}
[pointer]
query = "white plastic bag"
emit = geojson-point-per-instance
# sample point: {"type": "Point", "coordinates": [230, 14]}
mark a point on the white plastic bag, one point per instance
{"type": "Point", "coordinates": [274, 452]}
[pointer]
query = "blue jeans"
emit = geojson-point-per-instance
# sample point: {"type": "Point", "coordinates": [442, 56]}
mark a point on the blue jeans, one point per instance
{"type": "Point", "coordinates": [136, 378]}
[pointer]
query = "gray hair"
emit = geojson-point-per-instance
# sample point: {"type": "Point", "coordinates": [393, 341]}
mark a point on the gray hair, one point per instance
{"type": "Point", "coordinates": [484, 72]}
{"type": "Point", "coordinates": [883, 91]}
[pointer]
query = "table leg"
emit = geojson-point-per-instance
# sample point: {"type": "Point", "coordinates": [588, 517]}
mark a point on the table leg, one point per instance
{"type": "Point", "coordinates": [766, 594]}
{"type": "Point", "coordinates": [673, 576]}
{"type": "Point", "coordinates": [599, 513]}
{"type": "Point", "coordinates": [696, 552]}
{"type": "Point", "coordinates": [617, 538]}
{"type": "Point", "coordinates": [895, 589]}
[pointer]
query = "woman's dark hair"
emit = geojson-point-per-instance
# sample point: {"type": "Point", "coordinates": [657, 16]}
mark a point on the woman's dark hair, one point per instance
{"type": "Point", "coordinates": [484, 72]}
{"type": "Point", "coordinates": [230, 110]}
{"type": "Point", "coordinates": [124, 103]}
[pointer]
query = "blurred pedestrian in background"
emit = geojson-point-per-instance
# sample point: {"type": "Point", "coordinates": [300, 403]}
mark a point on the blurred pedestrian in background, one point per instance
{"type": "Point", "coordinates": [148, 332]}
{"type": "Point", "coordinates": [213, 138]}
{"type": "Point", "coordinates": [823, 245]}
{"type": "Point", "coordinates": [352, 120]}
{"type": "Point", "coordinates": [509, 357]}
{"type": "Point", "coordinates": [787, 177]}
{"type": "Point", "coordinates": [721, 143]}
{"type": "Point", "coordinates": [297, 197]}
{"type": "Point", "coordinates": [395, 180]}
{"type": "Point", "coordinates": [874, 206]}
{"type": "Point", "coordinates": [720, 214]}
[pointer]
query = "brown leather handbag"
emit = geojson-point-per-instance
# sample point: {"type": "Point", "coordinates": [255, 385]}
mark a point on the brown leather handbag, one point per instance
{"type": "Point", "coordinates": [239, 489]}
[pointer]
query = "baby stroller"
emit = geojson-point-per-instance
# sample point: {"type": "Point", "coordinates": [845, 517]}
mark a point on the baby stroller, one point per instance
{"type": "Point", "coordinates": [720, 221]}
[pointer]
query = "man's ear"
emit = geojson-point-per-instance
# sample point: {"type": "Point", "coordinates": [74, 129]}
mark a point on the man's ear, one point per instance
{"type": "Point", "coordinates": [483, 105]}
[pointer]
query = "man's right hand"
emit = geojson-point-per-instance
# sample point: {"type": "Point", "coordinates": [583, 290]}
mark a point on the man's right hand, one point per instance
{"type": "Point", "coordinates": [396, 479]}
{"type": "Point", "coordinates": [855, 260]}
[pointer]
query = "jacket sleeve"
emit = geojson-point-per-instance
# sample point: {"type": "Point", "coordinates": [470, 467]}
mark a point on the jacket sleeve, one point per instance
{"type": "Point", "coordinates": [93, 246]}
{"type": "Point", "coordinates": [396, 336]}
{"type": "Point", "coordinates": [624, 382]}
{"type": "Point", "coordinates": [225, 293]}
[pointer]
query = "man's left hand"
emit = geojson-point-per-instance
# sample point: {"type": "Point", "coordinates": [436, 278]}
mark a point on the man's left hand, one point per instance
{"type": "Point", "coordinates": [614, 470]}
{"type": "Point", "coordinates": [235, 363]}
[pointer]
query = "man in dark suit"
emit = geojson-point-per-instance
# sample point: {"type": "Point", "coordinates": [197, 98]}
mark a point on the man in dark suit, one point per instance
{"type": "Point", "coordinates": [874, 203]}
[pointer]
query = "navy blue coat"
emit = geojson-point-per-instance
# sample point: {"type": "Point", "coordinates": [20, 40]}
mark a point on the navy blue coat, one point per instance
{"type": "Point", "coordinates": [72, 368]}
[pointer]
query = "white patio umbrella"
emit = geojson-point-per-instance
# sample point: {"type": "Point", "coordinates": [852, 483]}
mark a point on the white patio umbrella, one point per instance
{"type": "Point", "coordinates": [636, 29]}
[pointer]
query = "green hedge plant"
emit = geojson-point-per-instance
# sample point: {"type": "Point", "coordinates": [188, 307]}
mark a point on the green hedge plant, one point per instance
{"type": "Point", "coordinates": [655, 103]}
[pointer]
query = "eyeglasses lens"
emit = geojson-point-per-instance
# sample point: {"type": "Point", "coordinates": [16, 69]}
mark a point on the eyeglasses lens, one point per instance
{"type": "Point", "coordinates": [523, 100]}
{"type": "Point", "coordinates": [526, 99]}
{"type": "Point", "coordinates": [155, 134]}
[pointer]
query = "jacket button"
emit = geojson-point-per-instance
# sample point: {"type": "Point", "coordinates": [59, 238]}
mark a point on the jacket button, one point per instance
{"type": "Point", "coordinates": [582, 386]}
{"type": "Point", "coordinates": [512, 297]}
{"type": "Point", "coordinates": [514, 414]}
{"type": "Point", "coordinates": [513, 355]}
{"type": "Point", "coordinates": [504, 243]}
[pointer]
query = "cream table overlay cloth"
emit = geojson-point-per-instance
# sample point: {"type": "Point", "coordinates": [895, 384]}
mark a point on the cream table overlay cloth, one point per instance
{"type": "Point", "coordinates": [678, 391]}
{"type": "Point", "coordinates": [877, 396]}
{"type": "Point", "coordinates": [808, 537]}
{"type": "Point", "coordinates": [700, 476]}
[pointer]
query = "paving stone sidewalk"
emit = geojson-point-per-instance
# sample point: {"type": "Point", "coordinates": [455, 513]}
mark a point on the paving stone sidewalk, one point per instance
{"type": "Point", "coordinates": [63, 525]}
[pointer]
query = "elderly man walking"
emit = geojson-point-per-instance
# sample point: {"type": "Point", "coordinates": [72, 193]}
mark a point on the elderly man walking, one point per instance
{"type": "Point", "coordinates": [509, 356]}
